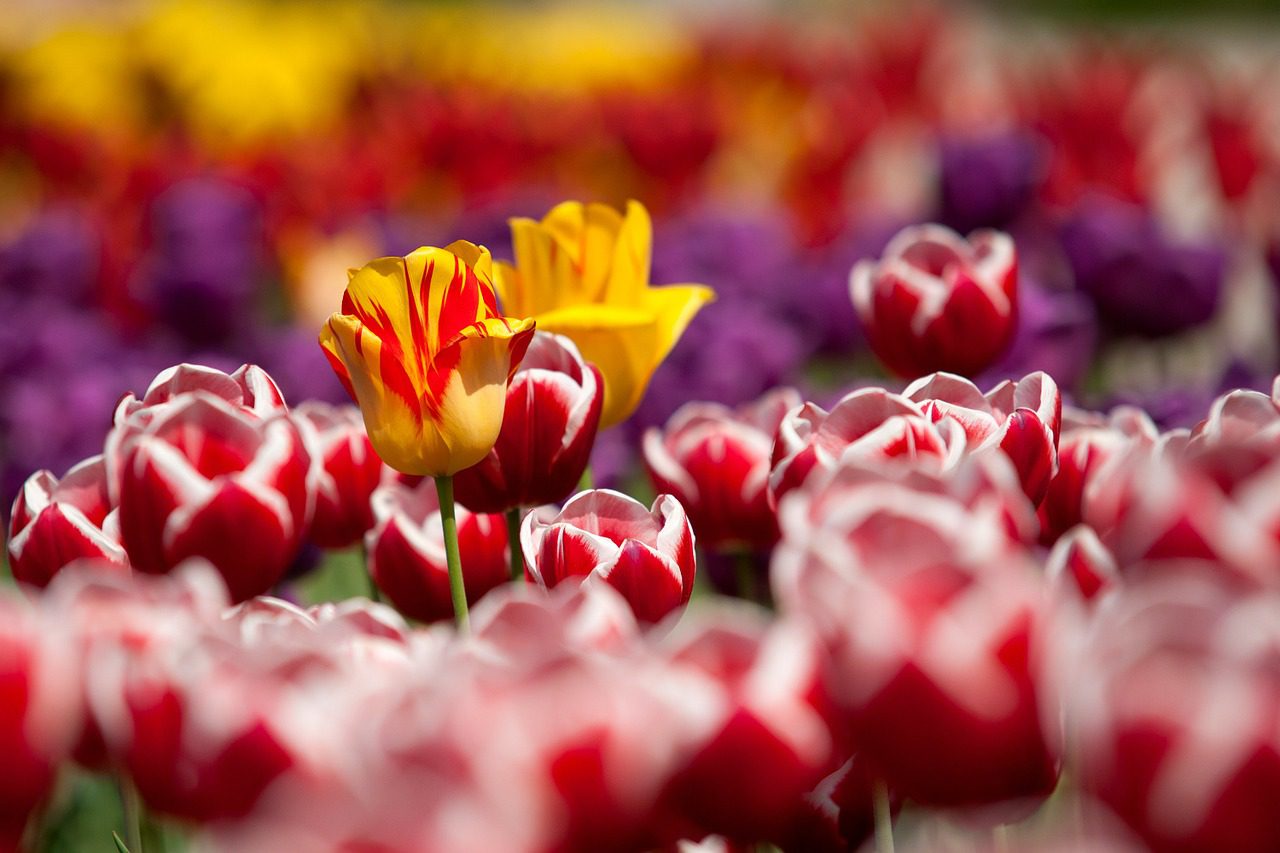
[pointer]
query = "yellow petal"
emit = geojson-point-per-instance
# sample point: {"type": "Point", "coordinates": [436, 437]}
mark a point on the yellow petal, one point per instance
{"type": "Point", "coordinates": [629, 273]}
{"type": "Point", "coordinates": [471, 408]}
{"type": "Point", "coordinates": [393, 417]}
{"type": "Point", "coordinates": [547, 277]}
{"type": "Point", "coordinates": [628, 344]}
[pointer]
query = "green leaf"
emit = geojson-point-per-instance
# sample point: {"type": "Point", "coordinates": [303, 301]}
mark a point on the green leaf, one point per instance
{"type": "Point", "coordinates": [120, 845]}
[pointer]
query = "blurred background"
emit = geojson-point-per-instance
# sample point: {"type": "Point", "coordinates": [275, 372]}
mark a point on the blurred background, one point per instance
{"type": "Point", "coordinates": [190, 180]}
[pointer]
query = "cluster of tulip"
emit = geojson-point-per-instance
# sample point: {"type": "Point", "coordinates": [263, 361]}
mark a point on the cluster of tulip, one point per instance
{"type": "Point", "coordinates": [171, 195]}
{"type": "Point", "coordinates": [994, 613]}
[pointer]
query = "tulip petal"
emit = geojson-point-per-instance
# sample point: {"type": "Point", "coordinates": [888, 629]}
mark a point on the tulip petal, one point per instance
{"type": "Point", "coordinates": [387, 398]}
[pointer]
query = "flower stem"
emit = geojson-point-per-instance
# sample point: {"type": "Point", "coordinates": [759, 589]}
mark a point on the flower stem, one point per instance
{"type": "Point", "coordinates": [449, 521]}
{"type": "Point", "coordinates": [884, 817]}
{"type": "Point", "coordinates": [513, 544]}
{"type": "Point", "coordinates": [131, 807]}
{"type": "Point", "coordinates": [374, 593]}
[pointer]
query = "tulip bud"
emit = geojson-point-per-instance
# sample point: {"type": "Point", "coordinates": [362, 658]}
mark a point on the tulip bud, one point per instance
{"type": "Point", "coordinates": [55, 522]}
{"type": "Point", "coordinates": [348, 472]}
{"type": "Point", "coordinates": [605, 536]}
{"type": "Point", "coordinates": [407, 556]}
{"type": "Point", "coordinates": [868, 425]}
{"type": "Point", "coordinates": [937, 301]}
{"type": "Point", "coordinates": [1020, 419]}
{"type": "Point", "coordinates": [198, 476]}
{"type": "Point", "coordinates": [548, 429]}
{"type": "Point", "coordinates": [716, 463]}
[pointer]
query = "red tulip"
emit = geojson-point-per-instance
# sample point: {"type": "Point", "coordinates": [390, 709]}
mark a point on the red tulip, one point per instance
{"type": "Point", "coordinates": [104, 613]}
{"type": "Point", "coordinates": [200, 477]}
{"type": "Point", "coordinates": [771, 742]}
{"type": "Point", "coordinates": [1021, 419]}
{"type": "Point", "coordinates": [928, 608]}
{"type": "Point", "coordinates": [605, 536]}
{"type": "Point", "coordinates": [937, 301]}
{"type": "Point", "coordinates": [869, 424]}
{"type": "Point", "coordinates": [1173, 709]}
{"type": "Point", "coordinates": [349, 471]}
{"type": "Point", "coordinates": [548, 429]}
{"type": "Point", "coordinates": [248, 388]}
{"type": "Point", "coordinates": [716, 463]}
{"type": "Point", "coordinates": [1081, 564]}
{"type": "Point", "coordinates": [407, 557]}
{"type": "Point", "coordinates": [55, 522]}
{"type": "Point", "coordinates": [38, 713]}
{"type": "Point", "coordinates": [1086, 443]}
{"type": "Point", "coordinates": [199, 731]}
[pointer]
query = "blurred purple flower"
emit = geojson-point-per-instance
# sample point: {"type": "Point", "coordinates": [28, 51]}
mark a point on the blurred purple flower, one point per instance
{"type": "Point", "coordinates": [296, 362]}
{"type": "Point", "coordinates": [1141, 281]}
{"type": "Point", "coordinates": [206, 262]}
{"type": "Point", "coordinates": [57, 257]}
{"type": "Point", "coordinates": [987, 181]}
{"type": "Point", "coordinates": [732, 352]}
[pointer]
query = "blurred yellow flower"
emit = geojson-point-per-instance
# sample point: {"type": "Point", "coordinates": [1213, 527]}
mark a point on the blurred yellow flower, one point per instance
{"type": "Point", "coordinates": [583, 272]}
{"type": "Point", "coordinates": [421, 347]}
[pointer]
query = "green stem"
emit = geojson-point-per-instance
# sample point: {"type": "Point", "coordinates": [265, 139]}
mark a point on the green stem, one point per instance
{"type": "Point", "coordinates": [884, 818]}
{"type": "Point", "coordinates": [586, 482]}
{"type": "Point", "coordinates": [513, 544]}
{"type": "Point", "coordinates": [131, 807]}
{"type": "Point", "coordinates": [374, 593]}
{"type": "Point", "coordinates": [449, 521]}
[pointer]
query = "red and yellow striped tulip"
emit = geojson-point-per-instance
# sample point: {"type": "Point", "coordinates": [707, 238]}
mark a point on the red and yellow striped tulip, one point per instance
{"type": "Point", "coordinates": [583, 272]}
{"type": "Point", "coordinates": [422, 349]}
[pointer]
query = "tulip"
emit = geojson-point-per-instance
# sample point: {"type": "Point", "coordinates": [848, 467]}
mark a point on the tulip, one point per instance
{"type": "Point", "coordinates": [929, 608]}
{"type": "Point", "coordinates": [1086, 443]}
{"type": "Point", "coordinates": [406, 552]}
{"type": "Point", "coordinates": [770, 745]}
{"type": "Point", "coordinates": [422, 349]}
{"type": "Point", "coordinates": [937, 301]}
{"type": "Point", "coordinates": [55, 522]}
{"type": "Point", "coordinates": [1021, 419]}
{"type": "Point", "coordinates": [1172, 708]}
{"type": "Point", "coordinates": [715, 461]}
{"type": "Point", "coordinates": [605, 536]}
{"type": "Point", "coordinates": [39, 713]}
{"type": "Point", "coordinates": [869, 424]}
{"type": "Point", "coordinates": [349, 471]}
{"type": "Point", "coordinates": [200, 477]}
{"type": "Point", "coordinates": [583, 272]}
{"type": "Point", "coordinates": [548, 430]}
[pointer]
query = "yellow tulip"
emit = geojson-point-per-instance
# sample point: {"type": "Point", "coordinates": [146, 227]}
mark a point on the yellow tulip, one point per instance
{"type": "Point", "coordinates": [422, 349]}
{"type": "Point", "coordinates": [583, 272]}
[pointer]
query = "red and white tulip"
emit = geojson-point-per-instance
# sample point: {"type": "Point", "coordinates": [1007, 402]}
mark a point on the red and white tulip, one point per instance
{"type": "Point", "coordinates": [548, 429]}
{"type": "Point", "coordinates": [716, 462]}
{"type": "Point", "coordinates": [1022, 419]}
{"type": "Point", "coordinates": [938, 301]}
{"type": "Point", "coordinates": [407, 556]}
{"type": "Point", "coordinates": [603, 536]}
{"type": "Point", "coordinates": [55, 522]}
{"type": "Point", "coordinates": [866, 425]}
{"type": "Point", "coordinates": [199, 476]}
{"type": "Point", "coordinates": [348, 472]}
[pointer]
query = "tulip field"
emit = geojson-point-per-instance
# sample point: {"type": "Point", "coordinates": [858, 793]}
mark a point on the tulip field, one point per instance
{"type": "Point", "coordinates": [576, 428]}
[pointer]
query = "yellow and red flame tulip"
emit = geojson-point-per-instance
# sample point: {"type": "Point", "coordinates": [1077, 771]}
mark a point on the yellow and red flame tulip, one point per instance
{"type": "Point", "coordinates": [583, 272]}
{"type": "Point", "coordinates": [421, 347]}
